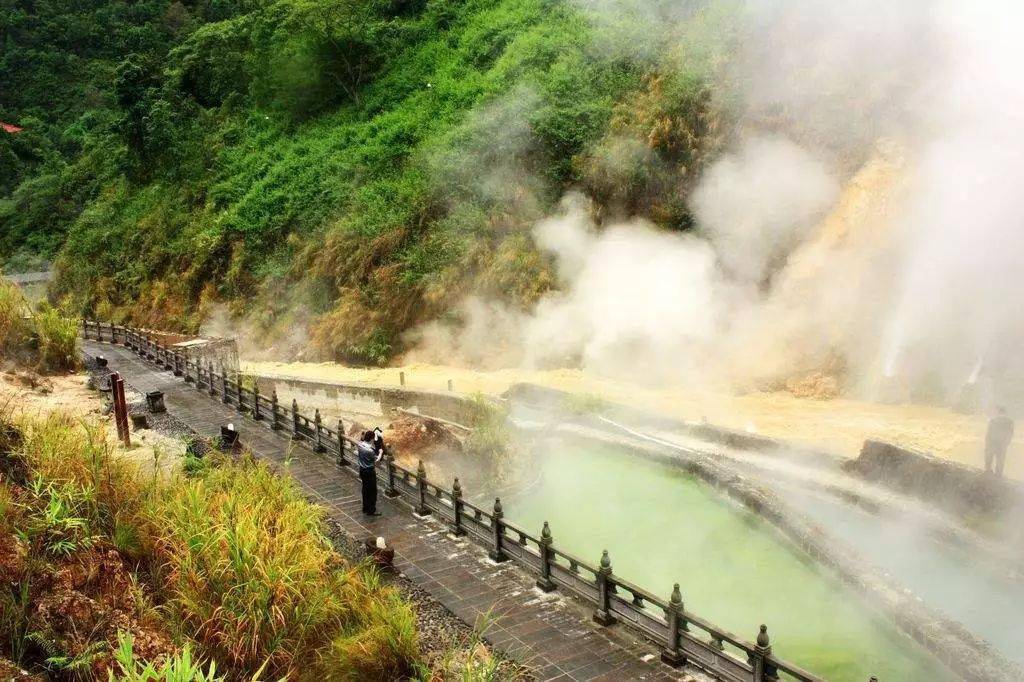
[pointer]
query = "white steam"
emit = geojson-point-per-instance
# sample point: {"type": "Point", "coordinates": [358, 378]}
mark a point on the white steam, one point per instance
{"type": "Point", "coordinates": [905, 272]}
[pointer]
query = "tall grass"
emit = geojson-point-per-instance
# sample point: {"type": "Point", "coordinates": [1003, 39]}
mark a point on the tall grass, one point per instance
{"type": "Point", "coordinates": [253, 580]}
{"type": "Point", "coordinates": [13, 310]}
{"type": "Point", "coordinates": [233, 562]}
{"type": "Point", "coordinates": [46, 338]}
{"type": "Point", "coordinates": [57, 339]}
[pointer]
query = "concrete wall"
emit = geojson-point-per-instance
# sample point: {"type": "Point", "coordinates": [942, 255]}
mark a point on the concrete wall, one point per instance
{"type": "Point", "coordinates": [336, 399]}
{"type": "Point", "coordinates": [938, 481]}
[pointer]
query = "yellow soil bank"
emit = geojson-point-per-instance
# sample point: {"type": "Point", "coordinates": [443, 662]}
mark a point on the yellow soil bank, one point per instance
{"type": "Point", "coordinates": [839, 425]}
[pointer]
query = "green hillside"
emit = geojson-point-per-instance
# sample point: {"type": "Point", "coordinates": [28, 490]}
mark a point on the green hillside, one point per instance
{"type": "Point", "coordinates": [349, 167]}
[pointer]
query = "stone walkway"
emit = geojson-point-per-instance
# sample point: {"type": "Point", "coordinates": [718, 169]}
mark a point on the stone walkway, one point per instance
{"type": "Point", "coordinates": [549, 633]}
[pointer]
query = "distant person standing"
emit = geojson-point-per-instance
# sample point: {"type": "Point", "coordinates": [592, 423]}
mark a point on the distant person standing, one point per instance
{"type": "Point", "coordinates": [369, 454]}
{"type": "Point", "coordinates": [997, 440]}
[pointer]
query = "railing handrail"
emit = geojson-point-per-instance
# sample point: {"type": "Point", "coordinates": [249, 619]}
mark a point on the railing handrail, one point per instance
{"type": "Point", "coordinates": [761, 665]}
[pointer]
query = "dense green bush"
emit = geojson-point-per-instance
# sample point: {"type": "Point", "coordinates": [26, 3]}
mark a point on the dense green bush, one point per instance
{"type": "Point", "coordinates": [352, 167]}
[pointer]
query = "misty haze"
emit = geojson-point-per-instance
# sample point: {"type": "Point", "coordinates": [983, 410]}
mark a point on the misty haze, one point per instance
{"type": "Point", "coordinates": [512, 340]}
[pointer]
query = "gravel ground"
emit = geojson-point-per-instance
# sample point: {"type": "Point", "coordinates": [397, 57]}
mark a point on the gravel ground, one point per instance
{"type": "Point", "coordinates": [440, 631]}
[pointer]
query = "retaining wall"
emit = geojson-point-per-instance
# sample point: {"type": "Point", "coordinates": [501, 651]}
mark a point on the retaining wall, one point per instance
{"type": "Point", "coordinates": [935, 480]}
{"type": "Point", "coordinates": [334, 399]}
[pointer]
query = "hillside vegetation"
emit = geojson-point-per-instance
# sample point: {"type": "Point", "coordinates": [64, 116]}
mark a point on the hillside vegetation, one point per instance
{"type": "Point", "coordinates": [346, 167]}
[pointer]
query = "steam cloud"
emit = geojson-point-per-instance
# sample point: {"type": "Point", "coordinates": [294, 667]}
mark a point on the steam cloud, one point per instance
{"type": "Point", "coordinates": [866, 221]}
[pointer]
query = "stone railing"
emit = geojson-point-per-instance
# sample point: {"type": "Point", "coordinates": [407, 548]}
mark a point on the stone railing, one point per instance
{"type": "Point", "coordinates": [682, 636]}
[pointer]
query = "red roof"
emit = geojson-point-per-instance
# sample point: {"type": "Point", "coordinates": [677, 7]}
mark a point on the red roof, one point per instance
{"type": "Point", "coordinates": [10, 128]}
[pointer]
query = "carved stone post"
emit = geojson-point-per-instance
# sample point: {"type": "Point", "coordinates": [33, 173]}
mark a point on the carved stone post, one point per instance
{"type": "Point", "coordinates": [177, 363]}
{"type": "Point", "coordinates": [764, 671]}
{"type": "Point", "coordinates": [210, 374]}
{"type": "Point", "coordinates": [341, 445]}
{"type": "Point", "coordinates": [295, 421]}
{"type": "Point", "coordinates": [113, 335]}
{"type": "Point", "coordinates": [225, 397]}
{"type": "Point", "coordinates": [389, 463]}
{"type": "Point", "coordinates": [497, 554]}
{"type": "Point", "coordinates": [274, 423]}
{"type": "Point", "coordinates": [544, 582]}
{"type": "Point", "coordinates": [672, 654]}
{"type": "Point", "coordinates": [604, 615]}
{"type": "Point", "coordinates": [421, 487]}
{"type": "Point", "coordinates": [256, 401]}
{"type": "Point", "coordinates": [456, 528]}
{"type": "Point", "coordinates": [318, 443]}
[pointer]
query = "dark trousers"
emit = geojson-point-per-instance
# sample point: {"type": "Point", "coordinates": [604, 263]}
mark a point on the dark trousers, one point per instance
{"type": "Point", "coordinates": [368, 476]}
{"type": "Point", "coordinates": [995, 455]}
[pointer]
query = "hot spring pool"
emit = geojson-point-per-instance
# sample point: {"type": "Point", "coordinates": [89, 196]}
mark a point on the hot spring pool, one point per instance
{"type": "Point", "coordinates": [663, 526]}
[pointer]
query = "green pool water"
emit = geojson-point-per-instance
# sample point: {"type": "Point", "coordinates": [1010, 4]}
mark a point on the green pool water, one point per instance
{"type": "Point", "coordinates": [662, 526]}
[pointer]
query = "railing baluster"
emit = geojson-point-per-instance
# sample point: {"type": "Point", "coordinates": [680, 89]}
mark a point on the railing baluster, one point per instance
{"type": "Point", "coordinates": [295, 421]}
{"type": "Point", "coordinates": [456, 527]}
{"type": "Point", "coordinates": [544, 582]}
{"type": "Point", "coordinates": [256, 416]}
{"type": "Point", "coordinates": [389, 465]}
{"type": "Point", "coordinates": [421, 487]}
{"type": "Point", "coordinates": [318, 444]}
{"type": "Point", "coordinates": [672, 654]}
{"type": "Point", "coordinates": [239, 393]}
{"type": "Point", "coordinates": [497, 554]}
{"type": "Point", "coordinates": [603, 614]}
{"type": "Point", "coordinates": [274, 414]}
{"type": "Point", "coordinates": [759, 658]}
{"type": "Point", "coordinates": [341, 445]}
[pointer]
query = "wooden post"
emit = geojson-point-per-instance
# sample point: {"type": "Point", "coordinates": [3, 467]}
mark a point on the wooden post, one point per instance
{"type": "Point", "coordinates": [497, 533]}
{"type": "Point", "coordinates": [456, 528]}
{"type": "Point", "coordinates": [120, 408]}
{"type": "Point", "coordinates": [421, 487]}
{"type": "Point", "coordinates": [604, 614]}
{"type": "Point", "coordinates": [545, 583]}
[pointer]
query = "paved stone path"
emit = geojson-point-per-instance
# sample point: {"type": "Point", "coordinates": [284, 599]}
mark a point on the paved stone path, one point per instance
{"type": "Point", "coordinates": [549, 633]}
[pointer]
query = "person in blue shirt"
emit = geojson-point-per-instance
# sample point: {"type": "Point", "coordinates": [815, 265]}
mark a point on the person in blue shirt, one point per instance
{"type": "Point", "coordinates": [370, 449]}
